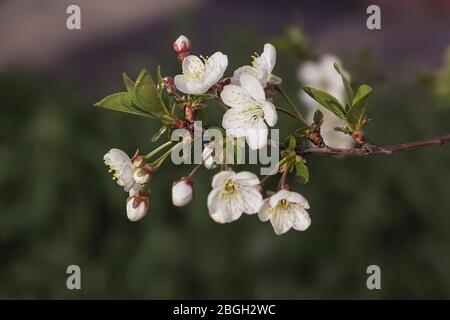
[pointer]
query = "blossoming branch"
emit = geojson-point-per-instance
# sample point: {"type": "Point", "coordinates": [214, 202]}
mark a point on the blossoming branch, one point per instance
{"type": "Point", "coordinates": [336, 116]}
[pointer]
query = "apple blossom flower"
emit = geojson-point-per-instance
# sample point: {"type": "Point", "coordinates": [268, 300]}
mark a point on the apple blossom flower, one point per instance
{"type": "Point", "coordinates": [232, 194]}
{"type": "Point", "coordinates": [182, 46]}
{"type": "Point", "coordinates": [121, 167]}
{"type": "Point", "coordinates": [250, 112]}
{"type": "Point", "coordinates": [137, 205]}
{"type": "Point", "coordinates": [323, 76]}
{"type": "Point", "coordinates": [182, 192]}
{"type": "Point", "coordinates": [285, 210]}
{"type": "Point", "coordinates": [261, 67]}
{"type": "Point", "coordinates": [198, 76]}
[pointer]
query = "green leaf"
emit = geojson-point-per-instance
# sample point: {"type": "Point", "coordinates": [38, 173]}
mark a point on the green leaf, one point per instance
{"type": "Point", "coordinates": [318, 118]}
{"type": "Point", "coordinates": [356, 113]}
{"type": "Point", "coordinates": [159, 133]}
{"type": "Point", "coordinates": [120, 101]}
{"type": "Point", "coordinates": [327, 100]}
{"type": "Point", "coordinates": [347, 86]}
{"type": "Point", "coordinates": [147, 96]}
{"type": "Point", "coordinates": [290, 142]}
{"type": "Point", "coordinates": [301, 171]}
{"type": "Point", "coordinates": [129, 85]}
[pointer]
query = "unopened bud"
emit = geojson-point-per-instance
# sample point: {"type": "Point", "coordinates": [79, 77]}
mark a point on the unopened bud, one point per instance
{"type": "Point", "coordinates": [169, 85]}
{"type": "Point", "coordinates": [137, 206]}
{"type": "Point", "coordinates": [182, 192]}
{"type": "Point", "coordinates": [182, 46]}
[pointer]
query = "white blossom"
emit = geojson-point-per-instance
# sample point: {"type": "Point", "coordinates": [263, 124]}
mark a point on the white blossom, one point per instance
{"type": "Point", "coordinates": [198, 76]}
{"type": "Point", "coordinates": [182, 192]}
{"type": "Point", "coordinates": [122, 168]}
{"type": "Point", "coordinates": [322, 75]}
{"type": "Point", "coordinates": [286, 210]}
{"type": "Point", "coordinates": [232, 194]}
{"type": "Point", "coordinates": [261, 67]}
{"type": "Point", "coordinates": [250, 112]}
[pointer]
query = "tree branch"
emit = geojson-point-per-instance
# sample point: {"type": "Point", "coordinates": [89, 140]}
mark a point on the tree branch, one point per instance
{"type": "Point", "coordinates": [370, 150]}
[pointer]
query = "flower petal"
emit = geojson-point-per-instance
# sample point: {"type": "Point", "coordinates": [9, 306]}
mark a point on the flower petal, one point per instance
{"type": "Point", "coordinates": [116, 157]}
{"type": "Point", "coordinates": [235, 96]}
{"type": "Point", "coordinates": [298, 198]}
{"type": "Point", "coordinates": [281, 221]}
{"type": "Point", "coordinates": [280, 195]}
{"type": "Point", "coordinates": [251, 199]}
{"type": "Point", "coordinates": [236, 119]}
{"type": "Point", "coordinates": [265, 211]}
{"type": "Point", "coordinates": [270, 113]}
{"type": "Point", "coordinates": [257, 135]}
{"type": "Point", "coordinates": [215, 67]}
{"type": "Point", "coordinates": [301, 219]}
{"type": "Point", "coordinates": [246, 178]}
{"type": "Point", "coordinates": [229, 208]}
{"type": "Point", "coordinates": [252, 86]}
{"type": "Point", "coordinates": [258, 74]}
{"type": "Point", "coordinates": [213, 201]}
{"type": "Point", "coordinates": [219, 179]}
{"type": "Point", "coordinates": [193, 65]}
{"type": "Point", "coordinates": [270, 56]}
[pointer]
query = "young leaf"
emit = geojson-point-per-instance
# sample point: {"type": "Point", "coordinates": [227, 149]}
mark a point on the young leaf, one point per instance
{"type": "Point", "coordinates": [318, 118]}
{"type": "Point", "coordinates": [327, 100]}
{"type": "Point", "coordinates": [120, 101]}
{"type": "Point", "coordinates": [290, 142]}
{"type": "Point", "coordinates": [356, 113]}
{"type": "Point", "coordinates": [347, 86]}
{"type": "Point", "coordinates": [147, 96]}
{"type": "Point", "coordinates": [159, 133]}
{"type": "Point", "coordinates": [301, 171]}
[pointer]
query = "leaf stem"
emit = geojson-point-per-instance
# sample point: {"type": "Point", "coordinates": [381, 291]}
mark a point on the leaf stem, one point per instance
{"type": "Point", "coordinates": [157, 163]}
{"type": "Point", "coordinates": [195, 169]}
{"type": "Point", "coordinates": [152, 153]}
{"type": "Point", "coordinates": [291, 104]}
{"type": "Point", "coordinates": [289, 113]}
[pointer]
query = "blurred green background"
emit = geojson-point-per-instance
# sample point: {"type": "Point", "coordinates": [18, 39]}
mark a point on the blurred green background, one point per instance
{"type": "Point", "coordinates": [58, 205]}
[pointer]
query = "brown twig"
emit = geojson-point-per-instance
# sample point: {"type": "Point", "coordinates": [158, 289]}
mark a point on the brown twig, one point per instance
{"type": "Point", "coordinates": [370, 150]}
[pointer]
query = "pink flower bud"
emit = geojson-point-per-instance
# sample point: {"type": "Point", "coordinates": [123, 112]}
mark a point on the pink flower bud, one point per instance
{"type": "Point", "coordinates": [137, 207]}
{"type": "Point", "coordinates": [182, 46]}
{"type": "Point", "coordinates": [169, 85]}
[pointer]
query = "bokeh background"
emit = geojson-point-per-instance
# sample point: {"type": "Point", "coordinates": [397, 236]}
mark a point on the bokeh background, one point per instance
{"type": "Point", "coordinates": [58, 205]}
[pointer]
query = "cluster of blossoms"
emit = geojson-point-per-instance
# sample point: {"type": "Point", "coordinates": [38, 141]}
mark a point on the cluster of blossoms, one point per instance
{"type": "Point", "coordinates": [248, 99]}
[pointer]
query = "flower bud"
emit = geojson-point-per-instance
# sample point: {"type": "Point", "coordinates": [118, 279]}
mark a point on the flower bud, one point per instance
{"type": "Point", "coordinates": [169, 85]}
{"type": "Point", "coordinates": [142, 175]}
{"type": "Point", "coordinates": [137, 206]}
{"type": "Point", "coordinates": [182, 46]}
{"type": "Point", "coordinates": [138, 161]}
{"type": "Point", "coordinates": [182, 192]}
